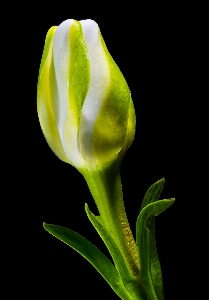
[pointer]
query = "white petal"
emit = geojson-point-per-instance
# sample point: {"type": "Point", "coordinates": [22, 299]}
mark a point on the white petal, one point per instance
{"type": "Point", "coordinates": [61, 62]}
{"type": "Point", "coordinates": [99, 85]}
{"type": "Point", "coordinates": [65, 115]}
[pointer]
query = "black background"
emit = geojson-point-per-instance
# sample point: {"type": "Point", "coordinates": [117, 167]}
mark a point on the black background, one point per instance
{"type": "Point", "coordinates": [153, 47]}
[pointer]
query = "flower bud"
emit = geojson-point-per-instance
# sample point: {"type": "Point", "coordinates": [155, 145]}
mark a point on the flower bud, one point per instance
{"type": "Point", "coordinates": [84, 104]}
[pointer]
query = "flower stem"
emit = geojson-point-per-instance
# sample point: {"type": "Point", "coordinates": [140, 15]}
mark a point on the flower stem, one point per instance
{"type": "Point", "coordinates": [106, 189]}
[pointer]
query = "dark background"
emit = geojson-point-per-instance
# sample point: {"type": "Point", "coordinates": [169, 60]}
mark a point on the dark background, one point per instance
{"type": "Point", "coordinates": [154, 48]}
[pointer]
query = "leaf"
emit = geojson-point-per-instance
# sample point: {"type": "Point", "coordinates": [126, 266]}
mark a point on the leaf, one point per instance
{"type": "Point", "coordinates": [153, 193]}
{"type": "Point", "coordinates": [101, 263]}
{"type": "Point", "coordinates": [150, 267]}
{"type": "Point", "coordinates": [131, 283]}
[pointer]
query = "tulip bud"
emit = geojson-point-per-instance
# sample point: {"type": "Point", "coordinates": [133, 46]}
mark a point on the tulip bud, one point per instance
{"type": "Point", "coordinates": [84, 104]}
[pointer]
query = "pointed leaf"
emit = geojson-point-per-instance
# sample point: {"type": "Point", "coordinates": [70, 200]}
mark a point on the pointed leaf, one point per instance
{"type": "Point", "coordinates": [153, 193]}
{"type": "Point", "coordinates": [150, 266]}
{"type": "Point", "coordinates": [101, 263]}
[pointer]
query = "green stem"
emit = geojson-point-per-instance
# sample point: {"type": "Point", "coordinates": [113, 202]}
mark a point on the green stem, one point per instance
{"type": "Point", "coordinates": [106, 189]}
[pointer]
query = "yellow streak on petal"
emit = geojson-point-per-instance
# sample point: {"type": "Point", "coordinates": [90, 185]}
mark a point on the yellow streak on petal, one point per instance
{"type": "Point", "coordinates": [44, 107]}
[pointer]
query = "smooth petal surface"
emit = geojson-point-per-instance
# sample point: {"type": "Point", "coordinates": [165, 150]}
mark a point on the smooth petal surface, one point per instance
{"type": "Point", "coordinates": [104, 116]}
{"type": "Point", "coordinates": [98, 89]}
{"type": "Point", "coordinates": [70, 85]}
{"type": "Point", "coordinates": [44, 105]}
{"type": "Point", "coordinates": [130, 131]}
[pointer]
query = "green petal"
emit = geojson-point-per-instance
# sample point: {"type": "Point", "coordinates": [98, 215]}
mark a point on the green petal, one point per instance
{"type": "Point", "coordinates": [79, 67]}
{"type": "Point", "coordinates": [112, 121]}
{"type": "Point", "coordinates": [105, 112]}
{"type": "Point", "coordinates": [130, 131]}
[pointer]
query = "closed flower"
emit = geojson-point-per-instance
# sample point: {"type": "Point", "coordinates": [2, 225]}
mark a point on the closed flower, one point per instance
{"type": "Point", "coordinates": [84, 104]}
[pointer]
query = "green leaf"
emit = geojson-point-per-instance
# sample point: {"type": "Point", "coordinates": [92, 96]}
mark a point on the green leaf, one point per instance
{"type": "Point", "coordinates": [145, 238]}
{"type": "Point", "coordinates": [101, 263]}
{"type": "Point", "coordinates": [130, 283]}
{"type": "Point", "coordinates": [153, 193]}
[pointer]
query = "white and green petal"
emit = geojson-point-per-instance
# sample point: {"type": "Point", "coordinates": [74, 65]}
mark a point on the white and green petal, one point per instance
{"type": "Point", "coordinates": [104, 117]}
{"type": "Point", "coordinates": [98, 91]}
{"type": "Point", "coordinates": [44, 106]}
{"type": "Point", "coordinates": [71, 80]}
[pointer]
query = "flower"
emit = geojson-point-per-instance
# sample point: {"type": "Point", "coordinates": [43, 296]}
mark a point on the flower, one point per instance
{"type": "Point", "coordinates": [84, 104]}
